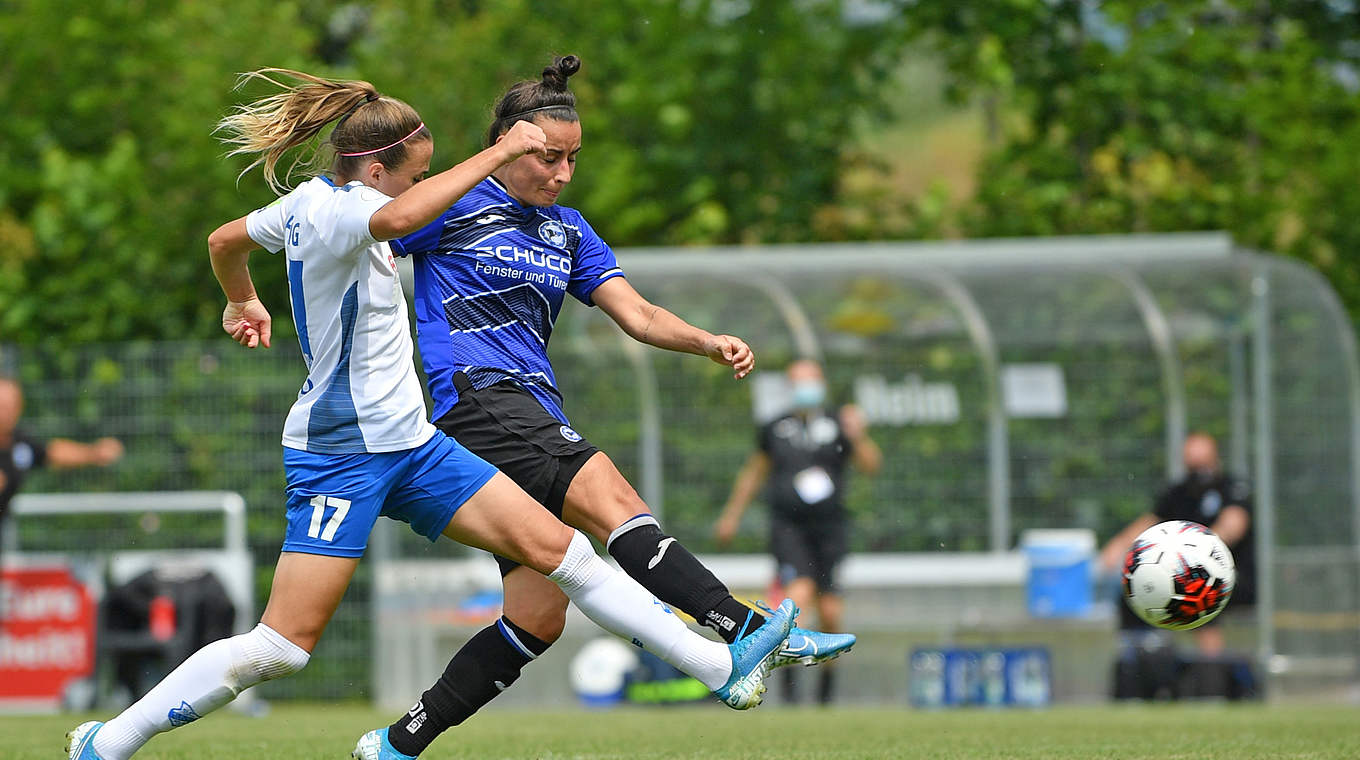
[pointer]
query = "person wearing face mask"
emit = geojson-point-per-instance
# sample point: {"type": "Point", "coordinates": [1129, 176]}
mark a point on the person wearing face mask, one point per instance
{"type": "Point", "coordinates": [1209, 496]}
{"type": "Point", "coordinates": [801, 458]}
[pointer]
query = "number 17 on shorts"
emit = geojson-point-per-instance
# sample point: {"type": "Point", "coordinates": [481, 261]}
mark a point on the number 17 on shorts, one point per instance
{"type": "Point", "coordinates": [319, 504]}
{"type": "Point", "coordinates": [326, 524]}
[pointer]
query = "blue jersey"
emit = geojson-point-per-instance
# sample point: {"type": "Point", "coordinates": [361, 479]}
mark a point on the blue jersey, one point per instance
{"type": "Point", "coordinates": [490, 278]}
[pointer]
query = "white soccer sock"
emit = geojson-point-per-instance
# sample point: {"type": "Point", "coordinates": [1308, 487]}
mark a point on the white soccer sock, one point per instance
{"type": "Point", "coordinates": [210, 678]}
{"type": "Point", "coordinates": [618, 604]}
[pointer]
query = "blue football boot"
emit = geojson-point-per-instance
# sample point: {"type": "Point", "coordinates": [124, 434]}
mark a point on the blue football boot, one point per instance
{"type": "Point", "coordinates": [80, 741]}
{"type": "Point", "coordinates": [752, 656]}
{"type": "Point", "coordinates": [812, 648]}
{"type": "Point", "coordinates": [375, 746]}
{"type": "Point", "coordinates": [809, 647]}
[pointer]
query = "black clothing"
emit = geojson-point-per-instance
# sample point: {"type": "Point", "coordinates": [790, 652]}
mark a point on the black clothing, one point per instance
{"type": "Point", "coordinates": [505, 425]}
{"type": "Point", "coordinates": [667, 569]}
{"type": "Point", "coordinates": [810, 550]}
{"type": "Point", "coordinates": [23, 455]}
{"type": "Point", "coordinates": [1199, 498]}
{"type": "Point", "coordinates": [477, 674]}
{"type": "Point", "coordinates": [807, 455]}
{"type": "Point", "coordinates": [508, 427]}
{"type": "Point", "coordinates": [809, 530]}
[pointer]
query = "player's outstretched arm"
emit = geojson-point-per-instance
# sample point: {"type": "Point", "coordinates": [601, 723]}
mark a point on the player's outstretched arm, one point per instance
{"type": "Point", "coordinates": [748, 482]}
{"type": "Point", "coordinates": [648, 323]}
{"type": "Point", "coordinates": [1114, 550]}
{"type": "Point", "coordinates": [866, 455]}
{"type": "Point", "coordinates": [431, 197]}
{"type": "Point", "coordinates": [1231, 524]}
{"type": "Point", "coordinates": [245, 319]}
{"type": "Point", "coordinates": [63, 453]}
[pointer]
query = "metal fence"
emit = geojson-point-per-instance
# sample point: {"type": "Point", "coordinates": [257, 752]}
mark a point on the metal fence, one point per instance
{"type": "Point", "coordinates": [1011, 385]}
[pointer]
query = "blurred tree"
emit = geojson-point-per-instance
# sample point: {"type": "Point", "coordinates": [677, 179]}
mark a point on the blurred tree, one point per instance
{"type": "Point", "coordinates": [109, 178]}
{"type": "Point", "coordinates": [110, 182]}
{"type": "Point", "coordinates": [1130, 116]}
{"type": "Point", "coordinates": [705, 121]}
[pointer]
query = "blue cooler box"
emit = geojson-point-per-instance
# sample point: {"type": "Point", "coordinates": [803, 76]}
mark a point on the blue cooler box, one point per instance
{"type": "Point", "coordinates": [1060, 572]}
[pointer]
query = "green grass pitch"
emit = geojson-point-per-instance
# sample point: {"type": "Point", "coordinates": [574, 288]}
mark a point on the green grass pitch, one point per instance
{"type": "Point", "coordinates": [1157, 732]}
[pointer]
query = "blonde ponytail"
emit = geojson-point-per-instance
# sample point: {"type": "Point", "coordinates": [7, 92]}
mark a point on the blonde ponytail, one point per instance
{"type": "Point", "coordinates": [269, 127]}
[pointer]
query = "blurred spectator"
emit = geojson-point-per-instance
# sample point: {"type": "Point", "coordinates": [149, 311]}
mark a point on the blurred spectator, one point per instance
{"type": "Point", "coordinates": [1211, 497]}
{"type": "Point", "coordinates": [20, 453]}
{"type": "Point", "coordinates": [803, 456]}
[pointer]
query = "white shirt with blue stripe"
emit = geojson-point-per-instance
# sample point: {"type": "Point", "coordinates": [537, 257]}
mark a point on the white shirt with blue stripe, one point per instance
{"type": "Point", "coordinates": [362, 393]}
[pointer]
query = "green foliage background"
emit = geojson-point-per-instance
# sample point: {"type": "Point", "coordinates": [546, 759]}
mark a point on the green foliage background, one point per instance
{"type": "Point", "coordinates": [1130, 116]}
{"type": "Point", "coordinates": [706, 121]}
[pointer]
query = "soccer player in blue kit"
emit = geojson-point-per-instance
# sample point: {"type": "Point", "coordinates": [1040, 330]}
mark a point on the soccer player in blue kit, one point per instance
{"type": "Point", "coordinates": [491, 275]}
{"type": "Point", "coordinates": [357, 443]}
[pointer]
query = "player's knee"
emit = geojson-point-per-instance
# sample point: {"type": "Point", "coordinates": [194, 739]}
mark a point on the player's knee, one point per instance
{"type": "Point", "coordinates": [263, 654]}
{"type": "Point", "coordinates": [621, 504]}
{"type": "Point", "coordinates": [546, 624]}
{"type": "Point", "coordinates": [601, 500]}
{"type": "Point", "coordinates": [541, 548]}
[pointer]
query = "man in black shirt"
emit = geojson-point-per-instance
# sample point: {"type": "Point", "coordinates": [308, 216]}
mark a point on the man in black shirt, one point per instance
{"type": "Point", "coordinates": [21, 453]}
{"type": "Point", "coordinates": [804, 456]}
{"type": "Point", "coordinates": [1211, 497]}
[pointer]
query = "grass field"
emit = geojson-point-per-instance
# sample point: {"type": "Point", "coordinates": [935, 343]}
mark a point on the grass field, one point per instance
{"type": "Point", "coordinates": [1157, 732]}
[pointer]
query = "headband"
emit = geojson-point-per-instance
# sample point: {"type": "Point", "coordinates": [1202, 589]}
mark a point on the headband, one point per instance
{"type": "Point", "coordinates": [535, 110]}
{"type": "Point", "coordinates": [414, 132]}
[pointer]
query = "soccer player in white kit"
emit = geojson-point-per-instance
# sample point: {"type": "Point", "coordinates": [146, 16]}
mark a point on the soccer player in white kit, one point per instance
{"type": "Point", "coordinates": [356, 442]}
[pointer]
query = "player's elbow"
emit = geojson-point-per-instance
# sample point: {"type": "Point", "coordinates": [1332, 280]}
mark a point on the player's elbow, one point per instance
{"type": "Point", "coordinates": [219, 242]}
{"type": "Point", "coordinates": [634, 322]}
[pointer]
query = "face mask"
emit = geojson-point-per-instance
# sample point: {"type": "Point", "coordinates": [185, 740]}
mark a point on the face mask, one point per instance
{"type": "Point", "coordinates": [1203, 476]}
{"type": "Point", "coordinates": [808, 395]}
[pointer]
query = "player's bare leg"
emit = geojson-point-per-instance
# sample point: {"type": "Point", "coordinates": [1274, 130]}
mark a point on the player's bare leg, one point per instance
{"type": "Point", "coordinates": [306, 591]}
{"type": "Point", "coordinates": [535, 603]}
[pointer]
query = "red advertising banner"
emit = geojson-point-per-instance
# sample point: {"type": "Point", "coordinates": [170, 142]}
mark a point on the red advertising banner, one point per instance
{"type": "Point", "coordinates": [47, 620]}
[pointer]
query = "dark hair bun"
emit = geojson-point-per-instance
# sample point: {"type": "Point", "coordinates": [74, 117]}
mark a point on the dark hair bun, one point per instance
{"type": "Point", "coordinates": [555, 76]}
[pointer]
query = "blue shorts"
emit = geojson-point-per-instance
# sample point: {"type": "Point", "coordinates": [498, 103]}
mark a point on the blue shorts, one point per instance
{"type": "Point", "coordinates": [335, 499]}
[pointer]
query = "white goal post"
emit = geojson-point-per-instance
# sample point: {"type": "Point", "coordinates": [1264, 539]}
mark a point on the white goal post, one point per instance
{"type": "Point", "coordinates": [231, 563]}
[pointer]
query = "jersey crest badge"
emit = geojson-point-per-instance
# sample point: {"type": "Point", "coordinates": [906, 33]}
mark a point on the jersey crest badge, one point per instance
{"type": "Point", "coordinates": [552, 232]}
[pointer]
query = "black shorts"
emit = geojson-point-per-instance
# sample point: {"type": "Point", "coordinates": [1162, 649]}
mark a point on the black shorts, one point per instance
{"type": "Point", "coordinates": [809, 550]}
{"type": "Point", "coordinates": [505, 425]}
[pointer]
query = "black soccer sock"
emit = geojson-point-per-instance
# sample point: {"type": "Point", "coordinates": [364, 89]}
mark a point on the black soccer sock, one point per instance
{"type": "Point", "coordinates": [827, 687]}
{"type": "Point", "coordinates": [790, 685]}
{"type": "Point", "coordinates": [483, 668]}
{"type": "Point", "coordinates": [676, 577]}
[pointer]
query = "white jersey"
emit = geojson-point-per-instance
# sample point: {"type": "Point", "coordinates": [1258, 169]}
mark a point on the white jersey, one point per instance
{"type": "Point", "coordinates": [362, 393]}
